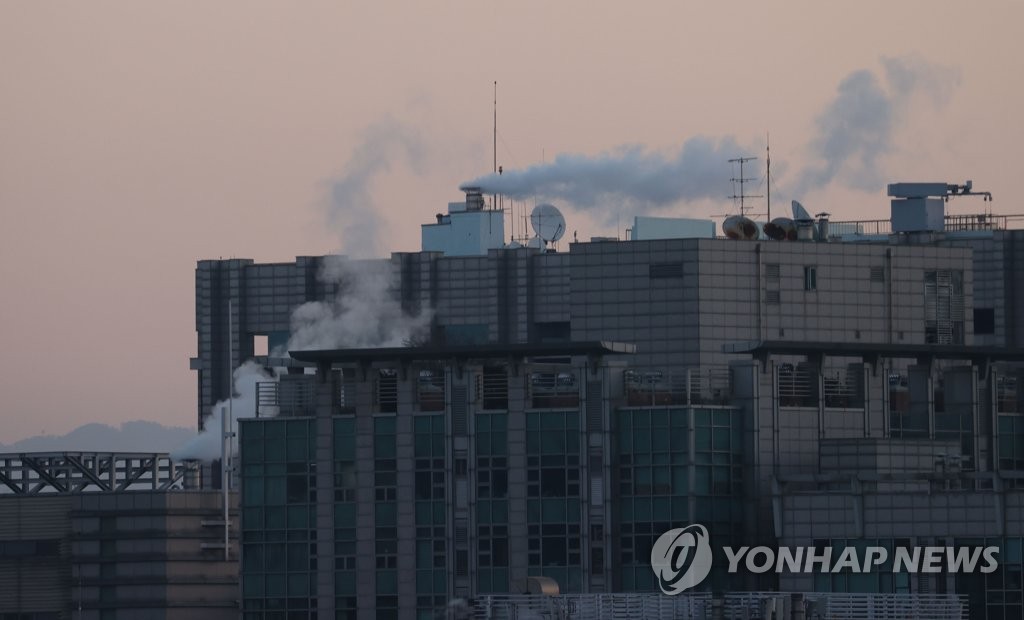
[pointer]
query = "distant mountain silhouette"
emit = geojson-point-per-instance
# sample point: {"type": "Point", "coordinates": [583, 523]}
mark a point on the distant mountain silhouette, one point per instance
{"type": "Point", "coordinates": [134, 436]}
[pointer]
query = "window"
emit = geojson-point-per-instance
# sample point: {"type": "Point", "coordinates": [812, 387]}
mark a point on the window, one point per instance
{"type": "Point", "coordinates": [984, 321]}
{"type": "Point", "coordinates": [810, 278]}
{"type": "Point", "coordinates": [665, 270]}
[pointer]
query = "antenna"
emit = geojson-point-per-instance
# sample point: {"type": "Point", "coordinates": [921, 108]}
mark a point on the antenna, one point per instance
{"type": "Point", "coordinates": [768, 174]}
{"type": "Point", "coordinates": [495, 141]}
{"type": "Point", "coordinates": [494, 197]}
{"type": "Point", "coordinates": [741, 180]}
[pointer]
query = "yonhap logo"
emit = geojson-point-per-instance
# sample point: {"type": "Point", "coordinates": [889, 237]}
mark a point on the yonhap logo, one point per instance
{"type": "Point", "coordinates": [681, 558]}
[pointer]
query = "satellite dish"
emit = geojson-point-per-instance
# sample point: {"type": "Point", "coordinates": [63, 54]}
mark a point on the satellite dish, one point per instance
{"type": "Point", "coordinates": [800, 213]}
{"type": "Point", "coordinates": [740, 227]}
{"type": "Point", "coordinates": [547, 222]}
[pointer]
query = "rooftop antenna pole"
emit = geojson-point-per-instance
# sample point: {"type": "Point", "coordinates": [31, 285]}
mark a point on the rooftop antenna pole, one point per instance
{"type": "Point", "coordinates": [494, 142]}
{"type": "Point", "coordinates": [768, 182]}
{"type": "Point", "coordinates": [741, 180]}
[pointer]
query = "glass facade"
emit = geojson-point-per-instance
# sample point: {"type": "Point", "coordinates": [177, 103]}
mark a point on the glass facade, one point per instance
{"type": "Point", "coordinates": [1011, 442]}
{"type": "Point", "coordinates": [431, 539]}
{"type": "Point", "coordinates": [345, 467]}
{"type": "Point", "coordinates": [278, 518]}
{"type": "Point", "coordinates": [553, 505]}
{"type": "Point", "coordinates": [492, 502]}
{"type": "Point", "coordinates": [881, 579]}
{"type": "Point", "coordinates": [998, 595]}
{"type": "Point", "coordinates": [385, 514]}
{"type": "Point", "coordinates": [661, 466]}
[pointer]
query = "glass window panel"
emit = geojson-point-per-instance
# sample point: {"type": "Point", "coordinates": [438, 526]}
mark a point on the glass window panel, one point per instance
{"type": "Point", "coordinates": [554, 510]}
{"type": "Point", "coordinates": [274, 448]}
{"type": "Point", "coordinates": [552, 443]}
{"type": "Point", "coordinates": [252, 491]}
{"type": "Point", "coordinates": [298, 517]}
{"type": "Point", "coordinates": [702, 438]}
{"type": "Point", "coordinates": [387, 582]}
{"type": "Point", "coordinates": [385, 514]}
{"type": "Point", "coordinates": [345, 583]}
{"type": "Point", "coordinates": [499, 511]}
{"type": "Point", "coordinates": [642, 440]}
{"type": "Point", "coordinates": [345, 514]}
{"type": "Point", "coordinates": [275, 518]}
{"type": "Point", "coordinates": [276, 490]}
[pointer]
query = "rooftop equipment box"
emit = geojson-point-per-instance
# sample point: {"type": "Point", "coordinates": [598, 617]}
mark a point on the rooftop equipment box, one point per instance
{"type": "Point", "coordinates": [918, 215]}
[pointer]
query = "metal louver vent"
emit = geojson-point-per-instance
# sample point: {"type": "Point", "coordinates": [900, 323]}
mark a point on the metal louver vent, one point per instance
{"type": "Point", "coordinates": [594, 406]}
{"type": "Point", "coordinates": [459, 410]}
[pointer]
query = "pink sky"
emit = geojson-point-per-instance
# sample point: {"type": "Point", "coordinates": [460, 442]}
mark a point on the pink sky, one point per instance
{"type": "Point", "coordinates": [137, 138]}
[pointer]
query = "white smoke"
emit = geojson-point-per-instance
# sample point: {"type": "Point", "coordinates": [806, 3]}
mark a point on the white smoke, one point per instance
{"type": "Point", "coordinates": [351, 209]}
{"type": "Point", "coordinates": [363, 313]}
{"type": "Point", "coordinates": [629, 175]}
{"type": "Point", "coordinates": [854, 132]}
{"type": "Point", "coordinates": [857, 129]}
{"type": "Point", "coordinates": [206, 445]}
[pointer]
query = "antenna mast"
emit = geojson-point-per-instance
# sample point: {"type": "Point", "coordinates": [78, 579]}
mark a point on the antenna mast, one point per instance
{"type": "Point", "coordinates": [494, 142]}
{"type": "Point", "coordinates": [768, 174]}
{"type": "Point", "coordinates": [741, 180]}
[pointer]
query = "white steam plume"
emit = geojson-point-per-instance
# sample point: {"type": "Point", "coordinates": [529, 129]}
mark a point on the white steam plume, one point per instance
{"type": "Point", "coordinates": [629, 175]}
{"type": "Point", "coordinates": [364, 313]}
{"type": "Point", "coordinates": [853, 134]}
{"type": "Point", "coordinates": [352, 209]}
{"type": "Point", "coordinates": [206, 445]}
{"type": "Point", "coordinates": [857, 128]}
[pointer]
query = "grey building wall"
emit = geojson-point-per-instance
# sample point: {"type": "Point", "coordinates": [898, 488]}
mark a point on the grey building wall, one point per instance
{"type": "Point", "coordinates": [35, 572]}
{"type": "Point", "coordinates": [153, 555]}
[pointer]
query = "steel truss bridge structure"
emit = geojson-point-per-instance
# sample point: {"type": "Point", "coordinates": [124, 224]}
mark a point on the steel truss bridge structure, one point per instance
{"type": "Point", "coordinates": [63, 473]}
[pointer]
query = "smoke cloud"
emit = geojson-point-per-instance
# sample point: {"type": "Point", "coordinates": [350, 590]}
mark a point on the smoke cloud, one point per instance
{"type": "Point", "coordinates": [853, 134]}
{"type": "Point", "coordinates": [206, 445]}
{"type": "Point", "coordinates": [352, 209]}
{"type": "Point", "coordinates": [631, 176]}
{"type": "Point", "coordinates": [856, 130]}
{"type": "Point", "coordinates": [363, 313]}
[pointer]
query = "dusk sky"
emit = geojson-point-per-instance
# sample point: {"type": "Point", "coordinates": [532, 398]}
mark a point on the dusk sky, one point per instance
{"type": "Point", "coordinates": [139, 137]}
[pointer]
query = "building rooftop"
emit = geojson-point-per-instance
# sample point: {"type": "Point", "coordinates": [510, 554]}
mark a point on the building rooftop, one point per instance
{"type": "Point", "coordinates": [463, 352]}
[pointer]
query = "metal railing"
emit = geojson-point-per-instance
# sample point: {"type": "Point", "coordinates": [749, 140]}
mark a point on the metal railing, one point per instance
{"type": "Point", "coordinates": [386, 392]}
{"type": "Point", "coordinates": [430, 389]}
{"type": "Point", "coordinates": [843, 386]}
{"type": "Point", "coordinates": [287, 397]}
{"type": "Point", "coordinates": [797, 386]}
{"type": "Point", "coordinates": [707, 385]}
{"type": "Point", "coordinates": [738, 605]}
{"type": "Point", "coordinates": [953, 223]}
{"type": "Point", "coordinates": [554, 389]}
{"type": "Point", "coordinates": [492, 388]}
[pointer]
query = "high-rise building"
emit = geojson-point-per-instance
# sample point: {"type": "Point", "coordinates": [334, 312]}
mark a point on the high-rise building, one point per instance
{"type": "Point", "coordinates": [859, 389]}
